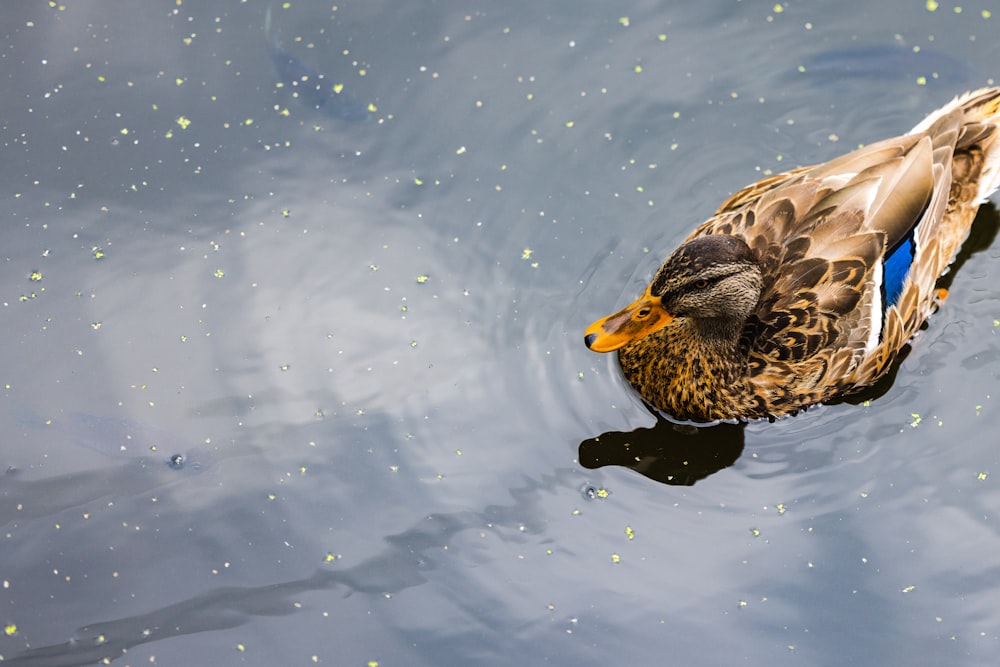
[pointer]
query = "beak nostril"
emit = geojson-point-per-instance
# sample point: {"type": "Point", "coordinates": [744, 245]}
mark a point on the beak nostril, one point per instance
{"type": "Point", "coordinates": [589, 339]}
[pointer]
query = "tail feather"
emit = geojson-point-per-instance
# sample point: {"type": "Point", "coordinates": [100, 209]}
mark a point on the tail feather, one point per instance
{"type": "Point", "coordinates": [980, 126]}
{"type": "Point", "coordinates": [985, 109]}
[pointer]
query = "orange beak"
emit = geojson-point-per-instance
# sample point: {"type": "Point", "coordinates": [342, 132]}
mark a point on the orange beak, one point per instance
{"type": "Point", "coordinates": [630, 324]}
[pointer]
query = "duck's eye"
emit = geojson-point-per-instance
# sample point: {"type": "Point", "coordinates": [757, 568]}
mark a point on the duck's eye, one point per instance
{"type": "Point", "coordinates": [700, 284]}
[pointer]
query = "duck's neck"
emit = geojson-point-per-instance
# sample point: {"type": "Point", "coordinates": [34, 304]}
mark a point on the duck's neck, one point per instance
{"type": "Point", "coordinates": [691, 369]}
{"type": "Point", "coordinates": [719, 335]}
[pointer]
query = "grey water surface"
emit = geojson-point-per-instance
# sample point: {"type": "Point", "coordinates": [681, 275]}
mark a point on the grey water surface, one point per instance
{"type": "Point", "coordinates": [363, 330]}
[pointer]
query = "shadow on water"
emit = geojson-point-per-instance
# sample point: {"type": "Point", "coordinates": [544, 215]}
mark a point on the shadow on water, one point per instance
{"type": "Point", "coordinates": [682, 455]}
{"type": "Point", "coordinates": [666, 452]}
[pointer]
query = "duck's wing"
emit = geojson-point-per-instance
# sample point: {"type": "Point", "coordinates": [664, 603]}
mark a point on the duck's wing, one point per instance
{"type": "Point", "coordinates": [822, 235]}
{"type": "Point", "coordinates": [884, 187]}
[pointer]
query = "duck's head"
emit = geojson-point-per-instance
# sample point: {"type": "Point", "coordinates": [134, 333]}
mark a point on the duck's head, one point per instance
{"type": "Point", "coordinates": [714, 280]}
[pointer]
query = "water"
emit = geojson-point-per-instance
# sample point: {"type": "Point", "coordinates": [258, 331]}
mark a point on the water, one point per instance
{"type": "Point", "coordinates": [371, 335]}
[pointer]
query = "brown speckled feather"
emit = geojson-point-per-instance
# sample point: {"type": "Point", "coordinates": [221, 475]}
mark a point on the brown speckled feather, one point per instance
{"type": "Point", "coordinates": [819, 236]}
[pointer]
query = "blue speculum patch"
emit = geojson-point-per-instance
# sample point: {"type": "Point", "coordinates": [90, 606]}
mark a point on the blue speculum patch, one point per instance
{"type": "Point", "coordinates": [897, 267]}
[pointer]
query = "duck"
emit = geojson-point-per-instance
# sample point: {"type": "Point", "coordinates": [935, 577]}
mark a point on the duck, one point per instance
{"type": "Point", "coordinates": [804, 287]}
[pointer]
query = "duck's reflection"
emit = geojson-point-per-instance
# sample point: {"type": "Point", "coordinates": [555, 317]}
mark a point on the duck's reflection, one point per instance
{"type": "Point", "coordinates": [667, 452]}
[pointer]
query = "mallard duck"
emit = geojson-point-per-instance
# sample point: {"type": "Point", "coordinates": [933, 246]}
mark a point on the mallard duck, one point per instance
{"type": "Point", "coordinates": [804, 286]}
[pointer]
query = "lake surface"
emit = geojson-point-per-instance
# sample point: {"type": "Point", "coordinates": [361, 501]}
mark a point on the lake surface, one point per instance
{"type": "Point", "coordinates": [293, 385]}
